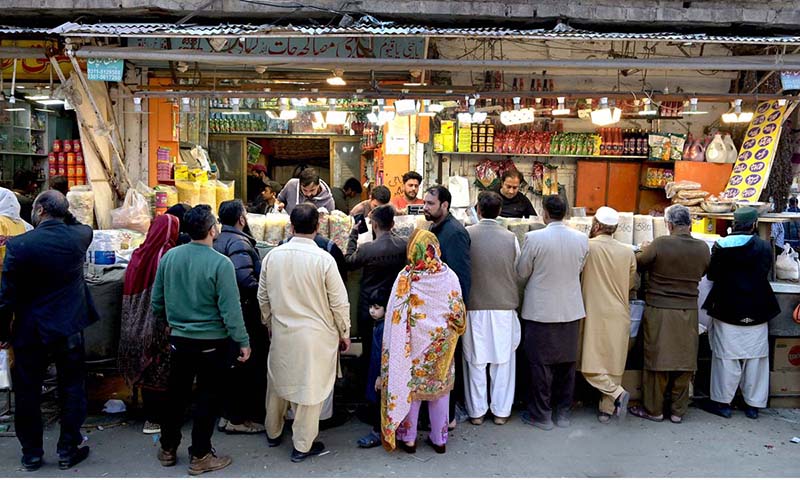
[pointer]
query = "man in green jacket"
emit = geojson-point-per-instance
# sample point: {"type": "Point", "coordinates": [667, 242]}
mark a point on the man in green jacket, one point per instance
{"type": "Point", "coordinates": [196, 290]}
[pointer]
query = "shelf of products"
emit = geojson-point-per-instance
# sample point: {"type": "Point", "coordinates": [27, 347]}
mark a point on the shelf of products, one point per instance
{"type": "Point", "coordinates": [542, 155]}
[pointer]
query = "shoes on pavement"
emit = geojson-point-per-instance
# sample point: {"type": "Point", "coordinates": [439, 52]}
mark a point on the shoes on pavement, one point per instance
{"type": "Point", "coordinates": [210, 462]}
{"type": "Point", "coordinates": [675, 419]}
{"type": "Point", "coordinates": [151, 428]}
{"type": "Point", "coordinates": [528, 418]}
{"type": "Point", "coordinates": [274, 442]}
{"type": "Point", "coordinates": [621, 404]}
{"type": "Point", "coordinates": [604, 418]}
{"type": "Point", "coordinates": [168, 458]}
{"type": "Point", "coordinates": [370, 440]}
{"type": "Point", "coordinates": [476, 421]}
{"type": "Point", "coordinates": [500, 420]}
{"type": "Point", "coordinates": [721, 409]}
{"type": "Point", "coordinates": [751, 412]}
{"type": "Point", "coordinates": [410, 449]}
{"type": "Point", "coordinates": [440, 449]}
{"type": "Point", "coordinates": [31, 463]}
{"type": "Point", "coordinates": [317, 448]}
{"type": "Point", "coordinates": [639, 411]}
{"type": "Point", "coordinates": [562, 420]}
{"type": "Point", "coordinates": [74, 458]}
{"type": "Point", "coordinates": [247, 427]}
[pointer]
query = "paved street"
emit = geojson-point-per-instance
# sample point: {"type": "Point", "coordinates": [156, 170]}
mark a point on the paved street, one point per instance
{"type": "Point", "coordinates": [704, 445]}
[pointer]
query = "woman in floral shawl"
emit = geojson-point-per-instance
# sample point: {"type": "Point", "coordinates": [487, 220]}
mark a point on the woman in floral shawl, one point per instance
{"type": "Point", "coordinates": [144, 340]}
{"type": "Point", "coordinates": [424, 318]}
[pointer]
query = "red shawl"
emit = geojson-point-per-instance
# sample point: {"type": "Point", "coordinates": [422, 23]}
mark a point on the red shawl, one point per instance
{"type": "Point", "coordinates": [141, 272]}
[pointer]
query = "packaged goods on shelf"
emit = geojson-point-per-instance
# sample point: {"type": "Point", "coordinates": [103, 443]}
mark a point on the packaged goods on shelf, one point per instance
{"type": "Point", "coordinates": [181, 172]}
{"type": "Point", "coordinates": [666, 147]}
{"type": "Point", "coordinates": [81, 204]}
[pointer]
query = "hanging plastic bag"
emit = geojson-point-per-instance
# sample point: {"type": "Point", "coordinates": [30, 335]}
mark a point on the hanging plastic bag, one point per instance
{"type": "Point", "coordinates": [208, 196]}
{"type": "Point", "coordinates": [274, 228]}
{"type": "Point", "coordinates": [5, 370]}
{"type": "Point", "coordinates": [787, 266]}
{"type": "Point", "coordinates": [188, 192]}
{"type": "Point", "coordinates": [225, 192]}
{"type": "Point", "coordinates": [134, 214]}
{"type": "Point", "coordinates": [149, 195]}
{"type": "Point", "coordinates": [459, 189]}
{"type": "Point", "coordinates": [81, 203]}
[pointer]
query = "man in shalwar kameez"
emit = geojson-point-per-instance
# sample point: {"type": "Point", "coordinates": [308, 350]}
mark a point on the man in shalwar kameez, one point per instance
{"type": "Point", "coordinates": [608, 277]}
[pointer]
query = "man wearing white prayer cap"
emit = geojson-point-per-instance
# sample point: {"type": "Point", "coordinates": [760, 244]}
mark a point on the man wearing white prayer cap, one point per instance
{"type": "Point", "coordinates": [608, 277]}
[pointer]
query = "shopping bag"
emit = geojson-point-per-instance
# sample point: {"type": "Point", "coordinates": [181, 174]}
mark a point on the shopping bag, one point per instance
{"type": "Point", "coordinates": [134, 214]}
{"type": "Point", "coordinates": [787, 266]}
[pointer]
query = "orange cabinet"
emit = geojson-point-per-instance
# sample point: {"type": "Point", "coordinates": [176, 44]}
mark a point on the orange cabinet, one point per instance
{"type": "Point", "coordinates": [615, 184]}
{"type": "Point", "coordinates": [712, 176]}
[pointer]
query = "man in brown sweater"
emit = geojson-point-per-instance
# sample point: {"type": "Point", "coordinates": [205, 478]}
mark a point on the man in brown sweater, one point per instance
{"type": "Point", "coordinates": [674, 264]}
{"type": "Point", "coordinates": [493, 329]}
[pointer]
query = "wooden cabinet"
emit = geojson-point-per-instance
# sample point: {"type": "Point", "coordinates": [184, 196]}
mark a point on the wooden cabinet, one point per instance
{"type": "Point", "coordinates": [615, 184]}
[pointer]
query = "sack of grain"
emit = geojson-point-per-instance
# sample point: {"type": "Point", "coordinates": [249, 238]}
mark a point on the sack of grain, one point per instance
{"type": "Point", "coordinates": [257, 223]}
{"type": "Point", "coordinates": [208, 196]}
{"type": "Point", "coordinates": [224, 191]}
{"type": "Point", "coordinates": [642, 229]}
{"type": "Point", "coordinates": [274, 228]}
{"type": "Point", "coordinates": [188, 192]}
{"type": "Point", "coordinates": [624, 233]}
{"type": "Point", "coordinates": [659, 227]}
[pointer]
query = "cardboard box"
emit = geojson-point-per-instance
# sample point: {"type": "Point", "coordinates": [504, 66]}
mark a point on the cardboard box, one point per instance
{"type": "Point", "coordinates": [786, 356]}
{"type": "Point", "coordinates": [704, 225]}
{"type": "Point", "coordinates": [782, 383]}
{"type": "Point", "coordinates": [632, 383]}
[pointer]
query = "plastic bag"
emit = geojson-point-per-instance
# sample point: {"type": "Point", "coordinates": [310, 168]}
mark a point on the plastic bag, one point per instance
{"type": "Point", "coordinates": [340, 225]}
{"type": "Point", "coordinates": [459, 189]}
{"type": "Point", "coordinates": [275, 227]}
{"type": "Point", "coordinates": [5, 370]}
{"type": "Point", "coordinates": [134, 214]}
{"type": "Point", "coordinates": [225, 192]}
{"type": "Point", "coordinates": [672, 188]}
{"type": "Point", "coordinates": [257, 223]}
{"type": "Point", "coordinates": [208, 196]}
{"type": "Point", "coordinates": [188, 192]}
{"type": "Point", "coordinates": [149, 195]}
{"type": "Point", "coordinates": [787, 266]}
{"type": "Point", "coordinates": [81, 203]}
{"type": "Point", "coordinates": [404, 225]}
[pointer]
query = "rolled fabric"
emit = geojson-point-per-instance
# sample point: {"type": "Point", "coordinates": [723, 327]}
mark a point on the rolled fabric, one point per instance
{"type": "Point", "coordinates": [642, 229]}
{"type": "Point", "coordinates": [624, 233]}
{"type": "Point", "coordinates": [659, 227]}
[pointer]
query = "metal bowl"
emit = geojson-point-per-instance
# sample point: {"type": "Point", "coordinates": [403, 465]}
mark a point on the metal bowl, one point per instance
{"type": "Point", "coordinates": [717, 207]}
{"type": "Point", "coordinates": [761, 207]}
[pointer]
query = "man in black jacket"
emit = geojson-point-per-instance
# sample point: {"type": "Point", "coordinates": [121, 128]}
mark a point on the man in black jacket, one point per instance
{"type": "Point", "coordinates": [454, 243]}
{"type": "Point", "coordinates": [44, 290]}
{"type": "Point", "coordinates": [381, 260]}
{"type": "Point", "coordinates": [741, 302]}
{"type": "Point", "coordinates": [246, 395]}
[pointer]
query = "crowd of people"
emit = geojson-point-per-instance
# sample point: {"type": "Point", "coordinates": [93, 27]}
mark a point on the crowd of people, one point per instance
{"type": "Point", "coordinates": [438, 313]}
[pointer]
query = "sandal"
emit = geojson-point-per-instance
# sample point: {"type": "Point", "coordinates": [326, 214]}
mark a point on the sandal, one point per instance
{"type": "Point", "coordinates": [675, 419]}
{"type": "Point", "coordinates": [371, 440]}
{"type": "Point", "coordinates": [640, 412]}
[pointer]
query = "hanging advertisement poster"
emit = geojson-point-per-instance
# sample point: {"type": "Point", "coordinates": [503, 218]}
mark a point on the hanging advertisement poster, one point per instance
{"type": "Point", "coordinates": [754, 163]}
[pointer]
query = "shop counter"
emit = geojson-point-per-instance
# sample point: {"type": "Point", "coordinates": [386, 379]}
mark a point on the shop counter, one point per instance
{"type": "Point", "coordinates": [783, 325]}
{"type": "Point", "coordinates": [102, 337]}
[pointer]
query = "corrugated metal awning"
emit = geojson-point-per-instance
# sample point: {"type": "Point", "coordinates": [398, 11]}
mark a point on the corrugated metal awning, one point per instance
{"type": "Point", "coordinates": [561, 32]}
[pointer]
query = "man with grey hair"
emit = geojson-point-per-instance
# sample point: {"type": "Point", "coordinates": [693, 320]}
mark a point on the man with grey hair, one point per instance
{"type": "Point", "coordinates": [43, 289]}
{"type": "Point", "coordinates": [674, 264]}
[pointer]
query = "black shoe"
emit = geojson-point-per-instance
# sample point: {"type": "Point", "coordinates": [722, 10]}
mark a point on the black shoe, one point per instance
{"type": "Point", "coordinates": [31, 463]}
{"type": "Point", "coordinates": [751, 412]}
{"type": "Point", "coordinates": [440, 449]}
{"type": "Point", "coordinates": [79, 455]}
{"type": "Point", "coordinates": [717, 408]}
{"type": "Point", "coordinates": [274, 442]}
{"type": "Point", "coordinates": [317, 448]}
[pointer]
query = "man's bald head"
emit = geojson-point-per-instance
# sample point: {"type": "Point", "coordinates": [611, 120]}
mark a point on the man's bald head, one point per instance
{"type": "Point", "coordinates": [50, 204]}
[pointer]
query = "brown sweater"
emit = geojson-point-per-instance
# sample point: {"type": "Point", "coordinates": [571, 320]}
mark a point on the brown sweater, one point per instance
{"type": "Point", "coordinates": [675, 265]}
{"type": "Point", "coordinates": [494, 251]}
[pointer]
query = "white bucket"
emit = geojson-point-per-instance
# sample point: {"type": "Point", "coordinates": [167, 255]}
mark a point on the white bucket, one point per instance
{"type": "Point", "coordinates": [637, 312]}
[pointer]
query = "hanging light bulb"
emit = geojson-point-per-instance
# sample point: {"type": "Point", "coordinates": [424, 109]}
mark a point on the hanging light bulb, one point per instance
{"type": "Point", "coordinates": [605, 115]}
{"type": "Point", "coordinates": [561, 110]}
{"type": "Point", "coordinates": [137, 104]}
{"type": "Point", "coordinates": [426, 109]}
{"type": "Point", "coordinates": [647, 108]}
{"type": "Point", "coordinates": [518, 115]}
{"type": "Point", "coordinates": [337, 79]}
{"type": "Point", "coordinates": [737, 116]}
{"type": "Point", "coordinates": [692, 110]}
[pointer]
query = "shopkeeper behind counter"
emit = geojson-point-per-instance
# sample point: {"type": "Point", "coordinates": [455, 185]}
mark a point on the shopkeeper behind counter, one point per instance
{"type": "Point", "coordinates": [515, 204]}
{"type": "Point", "coordinates": [307, 188]}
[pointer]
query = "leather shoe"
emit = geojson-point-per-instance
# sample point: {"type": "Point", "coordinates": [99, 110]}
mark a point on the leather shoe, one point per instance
{"type": "Point", "coordinates": [168, 458]}
{"type": "Point", "coordinates": [751, 412]}
{"type": "Point", "coordinates": [717, 408]}
{"type": "Point", "coordinates": [274, 442]}
{"type": "Point", "coordinates": [501, 420]}
{"type": "Point", "coordinates": [76, 457]}
{"type": "Point", "coordinates": [562, 420]}
{"type": "Point", "coordinates": [440, 449]}
{"type": "Point", "coordinates": [316, 449]}
{"type": "Point", "coordinates": [410, 449]}
{"type": "Point", "coordinates": [477, 421]}
{"type": "Point", "coordinates": [31, 463]}
{"type": "Point", "coordinates": [527, 418]}
{"type": "Point", "coordinates": [209, 462]}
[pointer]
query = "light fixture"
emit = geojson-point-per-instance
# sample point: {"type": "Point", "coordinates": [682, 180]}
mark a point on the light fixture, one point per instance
{"type": "Point", "coordinates": [336, 117]}
{"type": "Point", "coordinates": [50, 101]}
{"type": "Point", "coordinates": [405, 107]}
{"type": "Point", "coordinates": [15, 109]}
{"type": "Point", "coordinates": [517, 116]}
{"type": "Point", "coordinates": [647, 108]}
{"type": "Point", "coordinates": [692, 110]}
{"type": "Point", "coordinates": [464, 117]}
{"type": "Point", "coordinates": [137, 104]}
{"type": "Point", "coordinates": [737, 116]}
{"type": "Point", "coordinates": [561, 110]}
{"type": "Point", "coordinates": [336, 79]}
{"type": "Point", "coordinates": [425, 109]}
{"type": "Point", "coordinates": [260, 69]}
{"type": "Point", "coordinates": [186, 105]}
{"type": "Point", "coordinates": [479, 117]}
{"type": "Point", "coordinates": [604, 115]}
{"type": "Point", "coordinates": [781, 102]}
{"type": "Point", "coordinates": [270, 114]}
{"type": "Point", "coordinates": [372, 117]}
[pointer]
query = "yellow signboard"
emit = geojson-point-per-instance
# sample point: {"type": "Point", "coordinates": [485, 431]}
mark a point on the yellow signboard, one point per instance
{"type": "Point", "coordinates": [33, 68]}
{"type": "Point", "coordinates": [751, 171]}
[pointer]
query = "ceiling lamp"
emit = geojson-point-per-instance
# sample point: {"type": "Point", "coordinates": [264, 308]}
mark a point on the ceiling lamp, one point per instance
{"type": "Point", "coordinates": [604, 115]}
{"type": "Point", "coordinates": [561, 110]}
{"type": "Point", "coordinates": [137, 104]}
{"type": "Point", "coordinates": [336, 79]}
{"type": "Point", "coordinates": [518, 116]}
{"type": "Point", "coordinates": [405, 107]}
{"type": "Point", "coordinates": [692, 108]}
{"type": "Point", "coordinates": [647, 108]}
{"type": "Point", "coordinates": [50, 101]}
{"type": "Point", "coordinates": [737, 115]}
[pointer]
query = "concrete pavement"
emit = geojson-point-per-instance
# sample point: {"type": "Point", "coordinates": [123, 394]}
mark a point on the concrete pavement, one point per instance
{"type": "Point", "coordinates": [704, 445]}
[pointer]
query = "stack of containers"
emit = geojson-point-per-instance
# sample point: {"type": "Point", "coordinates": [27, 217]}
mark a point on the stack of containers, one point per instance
{"type": "Point", "coordinates": [66, 160]}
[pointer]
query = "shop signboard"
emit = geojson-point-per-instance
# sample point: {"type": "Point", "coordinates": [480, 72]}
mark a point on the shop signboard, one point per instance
{"type": "Point", "coordinates": [790, 80]}
{"type": "Point", "coordinates": [751, 170]}
{"type": "Point", "coordinates": [34, 68]}
{"type": "Point", "coordinates": [106, 70]}
{"type": "Point", "coordinates": [310, 46]}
